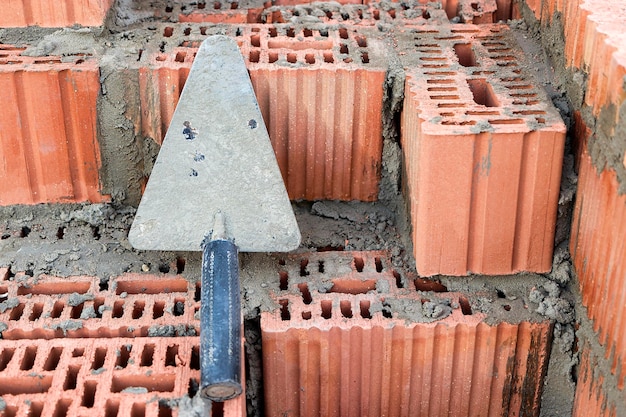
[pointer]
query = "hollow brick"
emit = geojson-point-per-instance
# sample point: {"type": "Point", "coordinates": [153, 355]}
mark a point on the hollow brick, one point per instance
{"type": "Point", "coordinates": [321, 100]}
{"type": "Point", "coordinates": [46, 13]}
{"type": "Point", "coordinates": [50, 152]}
{"type": "Point", "coordinates": [337, 343]}
{"type": "Point", "coordinates": [483, 149]}
{"type": "Point", "coordinates": [112, 377]}
{"type": "Point", "coordinates": [599, 257]}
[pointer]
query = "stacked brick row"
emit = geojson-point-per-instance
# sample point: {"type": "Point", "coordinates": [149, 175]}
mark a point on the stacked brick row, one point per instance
{"type": "Point", "coordinates": [595, 47]}
{"type": "Point", "coordinates": [74, 347]}
{"type": "Point", "coordinates": [483, 149]}
{"type": "Point", "coordinates": [346, 339]}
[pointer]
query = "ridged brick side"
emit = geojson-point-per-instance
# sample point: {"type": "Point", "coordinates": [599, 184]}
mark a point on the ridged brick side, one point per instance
{"type": "Point", "coordinates": [598, 249]}
{"type": "Point", "coordinates": [46, 13]}
{"type": "Point", "coordinates": [135, 305]}
{"type": "Point", "coordinates": [110, 377]}
{"type": "Point", "coordinates": [591, 400]}
{"type": "Point", "coordinates": [483, 148]}
{"type": "Point", "coordinates": [321, 100]}
{"type": "Point", "coordinates": [48, 153]}
{"type": "Point", "coordinates": [351, 350]}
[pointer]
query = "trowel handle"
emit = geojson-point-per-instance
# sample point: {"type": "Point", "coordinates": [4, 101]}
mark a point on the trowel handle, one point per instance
{"type": "Point", "coordinates": [220, 322]}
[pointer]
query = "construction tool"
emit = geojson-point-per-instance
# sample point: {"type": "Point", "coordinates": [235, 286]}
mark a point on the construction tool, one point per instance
{"type": "Point", "coordinates": [216, 188]}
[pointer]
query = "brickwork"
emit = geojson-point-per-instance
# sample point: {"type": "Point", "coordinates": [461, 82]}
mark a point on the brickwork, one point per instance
{"type": "Point", "coordinates": [483, 149]}
{"type": "Point", "coordinates": [50, 153]}
{"type": "Point", "coordinates": [341, 342]}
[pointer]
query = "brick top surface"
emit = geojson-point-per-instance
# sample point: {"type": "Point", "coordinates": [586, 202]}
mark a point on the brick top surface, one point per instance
{"type": "Point", "coordinates": [11, 56]}
{"type": "Point", "coordinates": [469, 78]}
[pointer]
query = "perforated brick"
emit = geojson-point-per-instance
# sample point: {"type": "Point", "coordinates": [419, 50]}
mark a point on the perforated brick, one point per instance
{"type": "Point", "coordinates": [344, 340]}
{"type": "Point", "coordinates": [50, 153]}
{"type": "Point", "coordinates": [320, 92]}
{"type": "Point", "coordinates": [133, 305]}
{"type": "Point", "coordinates": [107, 377]}
{"type": "Point", "coordinates": [483, 149]}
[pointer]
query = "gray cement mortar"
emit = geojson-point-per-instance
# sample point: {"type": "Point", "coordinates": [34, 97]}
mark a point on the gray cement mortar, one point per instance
{"type": "Point", "coordinates": [69, 240]}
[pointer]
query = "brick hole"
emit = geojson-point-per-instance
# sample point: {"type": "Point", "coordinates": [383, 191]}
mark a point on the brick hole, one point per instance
{"type": "Point", "coordinates": [346, 308]}
{"type": "Point", "coordinates": [164, 409]}
{"type": "Point", "coordinates": [398, 278]}
{"type": "Point", "coordinates": [201, 5]}
{"type": "Point", "coordinates": [441, 73]}
{"type": "Point", "coordinates": [481, 113]}
{"type": "Point", "coordinates": [439, 89]}
{"type": "Point", "coordinates": [282, 262]}
{"type": "Point", "coordinates": [53, 359]}
{"type": "Point", "coordinates": [123, 355]}
{"type": "Point", "coordinates": [238, 32]}
{"type": "Point", "coordinates": [272, 57]}
{"type": "Point", "coordinates": [444, 97]}
{"type": "Point", "coordinates": [99, 357]}
{"type": "Point", "coordinates": [5, 357]}
{"type": "Point", "coordinates": [323, 33]}
{"type": "Point", "coordinates": [147, 355]}
{"type": "Point", "coordinates": [28, 360]}
{"type": "Point", "coordinates": [482, 92]}
{"type": "Point", "coordinates": [234, 5]}
{"type": "Point", "coordinates": [506, 121]}
{"type": "Point", "coordinates": [111, 408]}
{"type": "Point", "coordinates": [25, 231]}
{"type": "Point", "coordinates": [180, 265]}
{"type": "Point", "coordinates": [292, 58]}
{"type": "Point", "coordinates": [118, 309]}
{"type": "Point", "coordinates": [290, 32]}
{"type": "Point", "coordinates": [89, 394]}
{"type": "Point", "coordinates": [345, 16]}
{"type": "Point", "coordinates": [60, 232]}
{"type": "Point", "coordinates": [435, 65]}
{"type": "Point", "coordinates": [540, 120]}
{"type": "Point", "coordinates": [10, 411]}
{"type": "Point", "coordinates": [376, 14]}
{"type": "Point", "coordinates": [197, 295]}
{"type": "Point", "coordinates": [195, 358]}
{"type": "Point", "coordinates": [330, 248]}
{"type": "Point", "coordinates": [62, 407]}
{"type": "Point", "coordinates": [327, 309]}
{"type": "Point", "coordinates": [180, 56]}
{"type": "Point", "coordinates": [320, 267]}
{"type": "Point", "coordinates": [76, 311]}
{"type": "Point", "coordinates": [285, 315]}
{"type": "Point", "coordinates": [97, 306]}
{"type": "Point", "coordinates": [306, 315]}
{"type": "Point", "coordinates": [352, 286]}
{"type": "Point", "coordinates": [365, 59]}
{"type": "Point", "coordinates": [78, 352]}
{"type": "Point", "coordinates": [523, 95]}
{"type": "Point", "coordinates": [217, 5]}
{"type": "Point", "coordinates": [432, 58]}
{"type": "Point", "coordinates": [254, 56]}
{"type": "Point", "coordinates": [379, 264]}
{"type": "Point", "coordinates": [5, 235]}
{"type": "Point", "coordinates": [361, 41]}
{"type": "Point", "coordinates": [309, 58]}
{"type": "Point", "coordinates": [17, 312]}
{"type": "Point", "coordinates": [36, 311]}
{"type": "Point", "coordinates": [364, 307]}
{"type": "Point", "coordinates": [498, 50]}
{"type": "Point", "coordinates": [529, 112]}
{"type": "Point", "coordinates": [169, 9]}
{"type": "Point", "coordinates": [255, 40]}
{"type": "Point", "coordinates": [217, 409]}
{"type": "Point", "coordinates": [71, 378]}
{"type": "Point", "coordinates": [203, 30]}
{"type": "Point", "coordinates": [47, 61]}
{"type": "Point", "coordinates": [505, 58]}
{"type": "Point", "coordinates": [55, 288]}
{"type": "Point", "coordinates": [152, 287]}
{"type": "Point", "coordinates": [158, 309]}
{"type": "Point", "coordinates": [273, 32]}
{"type": "Point", "coordinates": [138, 410]}
{"type": "Point", "coordinates": [359, 13]}
{"type": "Point", "coordinates": [448, 38]}
{"type": "Point", "coordinates": [307, 32]}
{"type": "Point", "coordinates": [95, 232]}
{"type": "Point", "coordinates": [306, 294]}
{"type": "Point", "coordinates": [512, 79]}
{"type": "Point", "coordinates": [500, 293]}
{"type": "Point", "coordinates": [328, 57]}
{"type": "Point", "coordinates": [458, 123]}
{"type": "Point", "coordinates": [36, 409]}
{"type": "Point", "coordinates": [506, 307]}
{"type": "Point", "coordinates": [179, 307]}
{"type": "Point", "coordinates": [387, 311]}
{"type": "Point", "coordinates": [465, 54]}
{"type": "Point", "coordinates": [359, 264]}
{"type": "Point", "coordinates": [425, 14]}
{"type": "Point", "coordinates": [283, 277]}
{"type": "Point", "coordinates": [466, 308]}
{"type": "Point", "coordinates": [422, 284]}
{"type": "Point", "coordinates": [31, 384]}
{"type": "Point", "coordinates": [193, 387]}
{"type": "Point", "coordinates": [170, 355]}
{"type": "Point", "coordinates": [343, 49]}
{"type": "Point", "coordinates": [450, 105]}
{"type": "Point", "coordinates": [187, 31]}
{"type": "Point", "coordinates": [391, 13]}
{"type": "Point", "coordinates": [303, 267]}
{"type": "Point", "coordinates": [446, 114]}
{"type": "Point", "coordinates": [506, 64]}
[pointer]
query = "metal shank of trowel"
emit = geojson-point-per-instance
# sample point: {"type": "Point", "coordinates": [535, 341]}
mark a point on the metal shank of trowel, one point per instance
{"type": "Point", "coordinates": [220, 318]}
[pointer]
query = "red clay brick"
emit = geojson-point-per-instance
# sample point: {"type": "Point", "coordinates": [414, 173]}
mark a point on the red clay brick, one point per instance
{"type": "Point", "coordinates": [321, 99]}
{"type": "Point", "coordinates": [591, 399]}
{"type": "Point", "coordinates": [112, 377]}
{"type": "Point", "coordinates": [135, 305]}
{"type": "Point", "coordinates": [599, 255]}
{"type": "Point", "coordinates": [350, 350]}
{"type": "Point", "coordinates": [483, 148]}
{"type": "Point", "coordinates": [47, 13]}
{"type": "Point", "coordinates": [50, 152]}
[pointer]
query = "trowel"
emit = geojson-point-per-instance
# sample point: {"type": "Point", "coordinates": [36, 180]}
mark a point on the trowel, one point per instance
{"type": "Point", "coordinates": [216, 188]}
